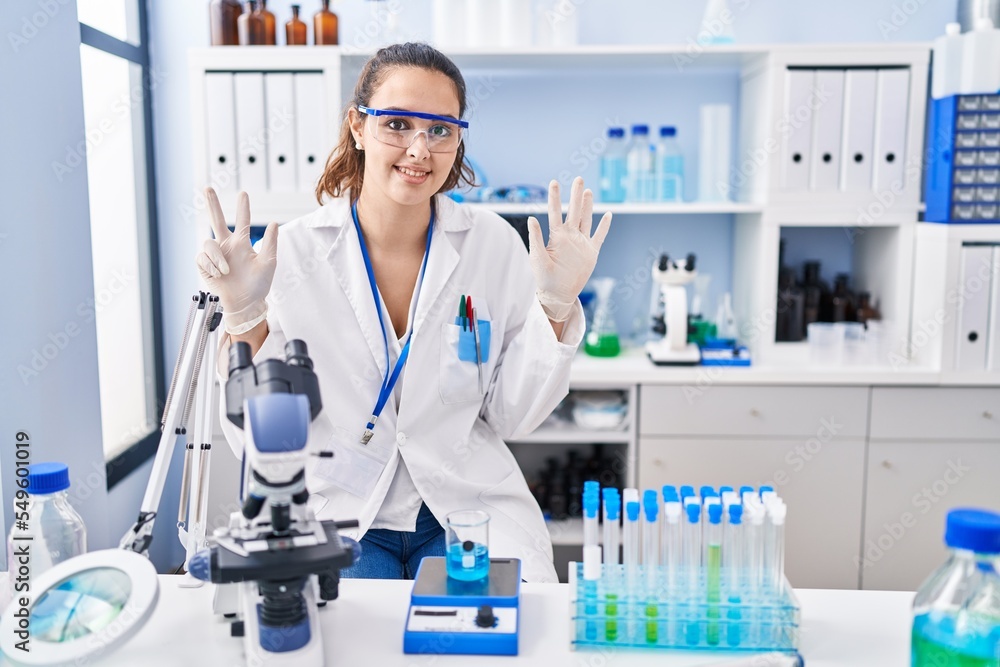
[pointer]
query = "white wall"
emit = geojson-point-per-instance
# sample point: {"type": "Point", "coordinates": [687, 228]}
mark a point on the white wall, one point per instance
{"type": "Point", "coordinates": [45, 259]}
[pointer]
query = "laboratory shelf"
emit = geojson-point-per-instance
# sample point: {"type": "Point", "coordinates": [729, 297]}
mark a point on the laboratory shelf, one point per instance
{"type": "Point", "coordinates": [653, 208]}
{"type": "Point", "coordinates": [575, 435]}
{"type": "Point", "coordinates": [567, 532]}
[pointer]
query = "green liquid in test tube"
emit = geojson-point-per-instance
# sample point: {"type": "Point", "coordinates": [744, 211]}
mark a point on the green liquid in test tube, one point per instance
{"type": "Point", "coordinates": [713, 570]}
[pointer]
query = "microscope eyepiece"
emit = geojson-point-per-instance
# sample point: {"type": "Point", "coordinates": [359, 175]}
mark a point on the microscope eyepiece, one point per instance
{"type": "Point", "coordinates": [664, 262]}
{"type": "Point", "coordinates": [690, 262]}
{"type": "Point", "coordinates": [239, 357]}
{"type": "Point", "coordinates": [297, 354]}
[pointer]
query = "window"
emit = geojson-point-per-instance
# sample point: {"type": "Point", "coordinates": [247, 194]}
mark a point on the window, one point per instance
{"type": "Point", "coordinates": [117, 80]}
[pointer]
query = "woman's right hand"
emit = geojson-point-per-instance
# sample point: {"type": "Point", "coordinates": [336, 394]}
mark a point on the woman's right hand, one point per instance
{"type": "Point", "coordinates": [232, 270]}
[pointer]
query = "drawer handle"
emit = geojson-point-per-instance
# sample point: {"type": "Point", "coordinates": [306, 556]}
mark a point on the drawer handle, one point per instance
{"type": "Point", "coordinates": [887, 464]}
{"type": "Point", "coordinates": [987, 414]}
{"type": "Point", "coordinates": [754, 412]}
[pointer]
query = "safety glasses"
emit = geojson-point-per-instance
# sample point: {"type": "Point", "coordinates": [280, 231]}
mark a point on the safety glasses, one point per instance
{"type": "Point", "coordinates": [400, 128]}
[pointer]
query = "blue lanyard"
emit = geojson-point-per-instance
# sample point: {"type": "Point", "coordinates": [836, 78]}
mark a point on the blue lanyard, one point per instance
{"type": "Point", "coordinates": [389, 381]}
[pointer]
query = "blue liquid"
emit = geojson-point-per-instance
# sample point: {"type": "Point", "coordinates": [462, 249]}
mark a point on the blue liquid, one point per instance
{"type": "Point", "coordinates": [471, 565]}
{"type": "Point", "coordinates": [937, 642]}
{"type": "Point", "coordinates": [614, 171]}
{"type": "Point", "coordinates": [670, 177]}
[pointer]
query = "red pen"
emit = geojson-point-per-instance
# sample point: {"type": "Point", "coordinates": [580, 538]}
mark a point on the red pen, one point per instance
{"type": "Point", "coordinates": [468, 310]}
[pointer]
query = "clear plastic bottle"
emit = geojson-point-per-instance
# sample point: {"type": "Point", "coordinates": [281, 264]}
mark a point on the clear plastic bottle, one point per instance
{"type": "Point", "coordinates": [56, 531]}
{"type": "Point", "coordinates": [640, 166]}
{"type": "Point", "coordinates": [669, 167]}
{"type": "Point", "coordinates": [946, 77]}
{"type": "Point", "coordinates": [956, 613]}
{"type": "Point", "coordinates": [980, 53]}
{"type": "Point", "coordinates": [614, 167]}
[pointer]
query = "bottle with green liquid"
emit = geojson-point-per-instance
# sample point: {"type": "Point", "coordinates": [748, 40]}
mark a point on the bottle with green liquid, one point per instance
{"type": "Point", "coordinates": [601, 339]}
{"type": "Point", "coordinates": [956, 613]}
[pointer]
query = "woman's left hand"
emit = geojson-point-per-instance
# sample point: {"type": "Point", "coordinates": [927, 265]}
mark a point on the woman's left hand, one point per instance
{"type": "Point", "coordinates": [563, 268]}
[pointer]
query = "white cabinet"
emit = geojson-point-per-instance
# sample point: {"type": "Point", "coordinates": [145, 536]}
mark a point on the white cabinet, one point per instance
{"type": "Point", "coordinates": [822, 482]}
{"type": "Point", "coordinates": [754, 411]}
{"type": "Point", "coordinates": [931, 449]}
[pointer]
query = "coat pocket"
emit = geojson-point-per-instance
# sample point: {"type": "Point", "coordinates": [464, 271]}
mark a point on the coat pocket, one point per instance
{"type": "Point", "coordinates": [459, 380]}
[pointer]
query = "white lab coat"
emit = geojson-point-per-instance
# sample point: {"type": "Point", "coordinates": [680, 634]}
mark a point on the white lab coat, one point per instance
{"type": "Point", "coordinates": [450, 437]}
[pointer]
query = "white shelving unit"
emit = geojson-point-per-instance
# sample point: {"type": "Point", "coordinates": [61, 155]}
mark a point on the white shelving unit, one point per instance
{"type": "Point", "coordinates": [882, 253]}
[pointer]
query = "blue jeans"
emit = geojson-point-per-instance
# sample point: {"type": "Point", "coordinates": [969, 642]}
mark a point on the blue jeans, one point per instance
{"type": "Point", "coordinates": [392, 554]}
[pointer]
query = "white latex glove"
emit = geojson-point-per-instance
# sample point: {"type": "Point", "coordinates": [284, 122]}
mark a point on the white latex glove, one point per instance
{"type": "Point", "coordinates": [564, 267]}
{"type": "Point", "coordinates": [232, 270]}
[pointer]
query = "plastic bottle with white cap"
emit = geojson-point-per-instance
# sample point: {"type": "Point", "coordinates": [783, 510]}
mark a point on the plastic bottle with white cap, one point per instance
{"type": "Point", "coordinates": [946, 74]}
{"type": "Point", "coordinates": [980, 55]}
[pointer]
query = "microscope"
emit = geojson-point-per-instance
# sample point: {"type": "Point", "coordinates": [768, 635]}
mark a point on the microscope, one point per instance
{"type": "Point", "coordinates": [672, 347]}
{"type": "Point", "coordinates": [281, 563]}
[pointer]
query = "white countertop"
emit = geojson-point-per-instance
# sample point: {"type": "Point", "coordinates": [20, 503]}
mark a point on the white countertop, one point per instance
{"type": "Point", "coordinates": [365, 627]}
{"type": "Point", "coordinates": [633, 367]}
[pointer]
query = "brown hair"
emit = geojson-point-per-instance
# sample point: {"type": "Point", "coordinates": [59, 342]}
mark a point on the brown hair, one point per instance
{"type": "Point", "coordinates": [345, 167]}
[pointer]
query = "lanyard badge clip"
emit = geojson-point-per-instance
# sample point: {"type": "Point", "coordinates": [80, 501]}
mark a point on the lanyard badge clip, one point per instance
{"type": "Point", "coordinates": [367, 435]}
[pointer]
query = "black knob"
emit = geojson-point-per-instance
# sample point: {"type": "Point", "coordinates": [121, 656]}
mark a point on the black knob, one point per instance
{"type": "Point", "coordinates": [827, 157]}
{"type": "Point", "coordinates": [311, 159]}
{"type": "Point", "coordinates": [797, 157]}
{"type": "Point", "coordinates": [252, 159]}
{"type": "Point", "coordinates": [858, 157]}
{"type": "Point", "coordinates": [222, 159]}
{"type": "Point", "coordinates": [891, 157]}
{"type": "Point", "coordinates": [485, 617]}
{"type": "Point", "coordinates": [973, 336]}
{"type": "Point", "coordinates": [239, 357]}
{"type": "Point", "coordinates": [297, 354]}
{"type": "Point", "coordinates": [281, 159]}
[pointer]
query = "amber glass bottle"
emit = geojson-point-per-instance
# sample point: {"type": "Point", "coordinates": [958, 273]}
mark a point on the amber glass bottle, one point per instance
{"type": "Point", "coordinates": [222, 17]}
{"type": "Point", "coordinates": [270, 26]}
{"type": "Point", "coordinates": [251, 26]}
{"type": "Point", "coordinates": [325, 26]}
{"type": "Point", "coordinates": [295, 29]}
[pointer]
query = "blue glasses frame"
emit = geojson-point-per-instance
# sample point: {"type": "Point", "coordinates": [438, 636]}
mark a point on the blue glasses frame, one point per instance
{"type": "Point", "coordinates": [413, 114]}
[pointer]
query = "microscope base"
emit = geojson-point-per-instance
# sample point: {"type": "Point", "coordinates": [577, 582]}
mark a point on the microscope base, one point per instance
{"type": "Point", "coordinates": [308, 655]}
{"type": "Point", "coordinates": [661, 355]}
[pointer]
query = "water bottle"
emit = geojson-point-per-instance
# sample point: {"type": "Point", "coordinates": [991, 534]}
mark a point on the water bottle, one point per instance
{"type": "Point", "coordinates": [669, 167]}
{"type": "Point", "coordinates": [56, 530]}
{"type": "Point", "coordinates": [956, 613]}
{"type": "Point", "coordinates": [946, 76]}
{"type": "Point", "coordinates": [640, 166]}
{"type": "Point", "coordinates": [614, 167]}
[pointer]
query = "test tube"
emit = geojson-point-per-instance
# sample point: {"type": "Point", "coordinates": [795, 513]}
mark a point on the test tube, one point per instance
{"type": "Point", "coordinates": [651, 562]}
{"type": "Point", "coordinates": [753, 551]}
{"type": "Point", "coordinates": [732, 555]}
{"type": "Point", "coordinates": [686, 492]}
{"type": "Point", "coordinates": [713, 568]}
{"type": "Point", "coordinates": [776, 514]}
{"type": "Point", "coordinates": [672, 560]}
{"type": "Point", "coordinates": [692, 565]}
{"type": "Point", "coordinates": [669, 495]}
{"type": "Point", "coordinates": [613, 509]}
{"type": "Point", "coordinates": [591, 505]}
{"type": "Point", "coordinates": [630, 534]}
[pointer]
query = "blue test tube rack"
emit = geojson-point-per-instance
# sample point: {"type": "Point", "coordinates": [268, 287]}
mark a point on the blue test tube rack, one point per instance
{"type": "Point", "coordinates": [677, 614]}
{"type": "Point", "coordinates": [768, 622]}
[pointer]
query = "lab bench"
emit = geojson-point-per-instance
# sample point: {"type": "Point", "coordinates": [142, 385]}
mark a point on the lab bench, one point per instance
{"type": "Point", "coordinates": [364, 626]}
{"type": "Point", "coordinates": [869, 459]}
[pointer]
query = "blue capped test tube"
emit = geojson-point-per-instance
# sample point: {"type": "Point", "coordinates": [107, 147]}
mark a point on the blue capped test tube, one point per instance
{"type": "Point", "coordinates": [612, 583]}
{"type": "Point", "coordinates": [732, 561]}
{"type": "Point", "coordinates": [713, 568]}
{"type": "Point", "coordinates": [591, 558]}
{"type": "Point", "coordinates": [692, 566]}
{"type": "Point", "coordinates": [651, 562]}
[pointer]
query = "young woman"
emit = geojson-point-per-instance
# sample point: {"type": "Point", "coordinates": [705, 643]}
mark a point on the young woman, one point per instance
{"type": "Point", "coordinates": [372, 281]}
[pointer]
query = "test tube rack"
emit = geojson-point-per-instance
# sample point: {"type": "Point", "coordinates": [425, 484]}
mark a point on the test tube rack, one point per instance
{"type": "Point", "coordinates": [609, 612]}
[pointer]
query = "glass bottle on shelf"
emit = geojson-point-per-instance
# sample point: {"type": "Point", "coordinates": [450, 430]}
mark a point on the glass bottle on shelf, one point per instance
{"type": "Point", "coordinates": [251, 26]}
{"type": "Point", "coordinates": [791, 304]}
{"type": "Point", "coordinates": [817, 296]}
{"type": "Point", "coordinates": [325, 26]}
{"type": "Point", "coordinates": [222, 21]}
{"type": "Point", "coordinates": [842, 300]}
{"type": "Point", "coordinates": [866, 310]}
{"type": "Point", "coordinates": [295, 29]}
{"type": "Point", "coordinates": [270, 36]}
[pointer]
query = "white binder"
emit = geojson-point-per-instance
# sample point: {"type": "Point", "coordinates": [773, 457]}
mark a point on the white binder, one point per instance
{"type": "Point", "coordinates": [859, 130]}
{"type": "Point", "coordinates": [312, 145]}
{"type": "Point", "coordinates": [993, 353]}
{"type": "Point", "coordinates": [975, 286]}
{"type": "Point", "coordinates": [251, 131]}
{"type": "Point", "coordinates": [827, 130]}
{"type": "Point", "coordinates": [893, 103]}
{"type": "Point", "coordinates": [220, 124]}
{"type": "Point", "coordinates": [280, 104]}
{"type": "Point", "coordinates": [796, 126]}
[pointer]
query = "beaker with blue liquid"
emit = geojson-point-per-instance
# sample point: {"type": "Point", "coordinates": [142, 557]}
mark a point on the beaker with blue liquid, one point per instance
{"type": "Point", "coordinates": [467, 544]}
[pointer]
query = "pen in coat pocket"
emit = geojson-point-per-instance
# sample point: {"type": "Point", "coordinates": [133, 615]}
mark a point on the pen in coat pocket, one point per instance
{"type": "Point", "coordinates": [479, 356]}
